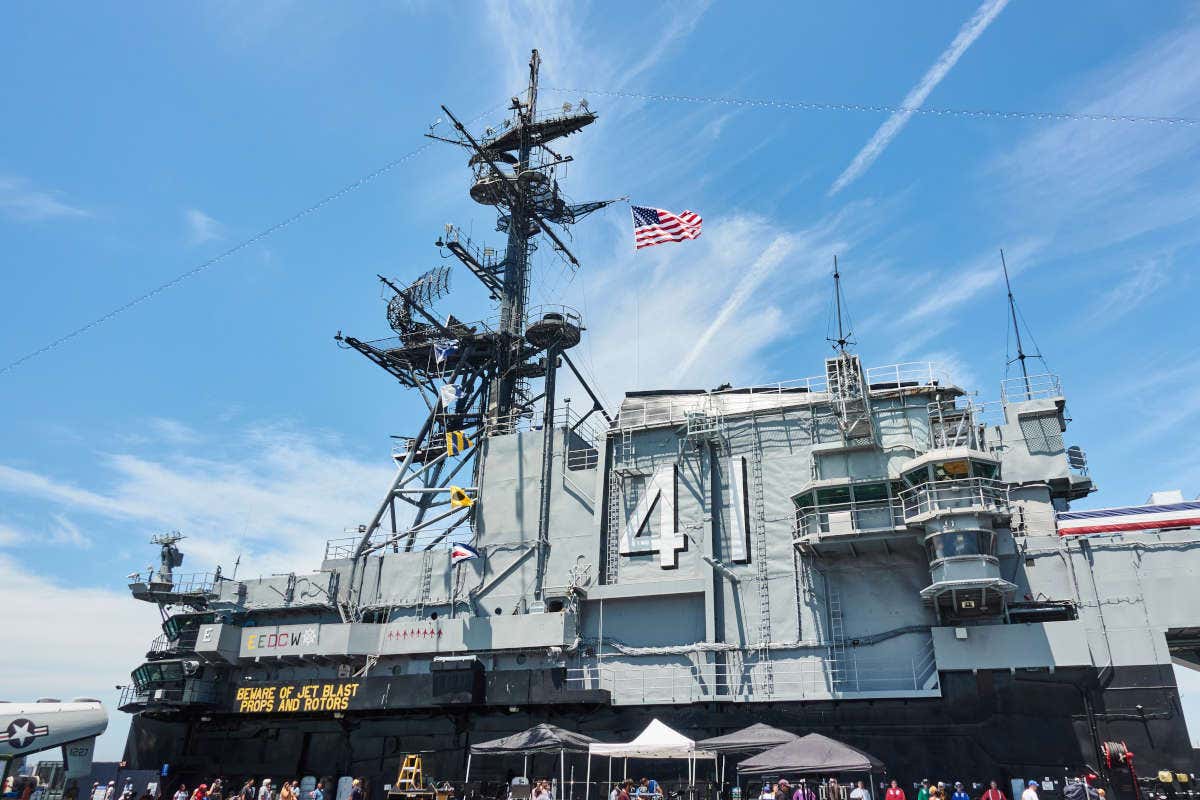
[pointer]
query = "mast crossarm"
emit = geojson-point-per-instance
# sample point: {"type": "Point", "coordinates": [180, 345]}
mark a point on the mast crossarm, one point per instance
{"type": "Point", "coordinates": [513, 194]}
{"type": "Point", "coordinates": [485, 276]}
{"type": "Point", "coordinates": [397, 368]}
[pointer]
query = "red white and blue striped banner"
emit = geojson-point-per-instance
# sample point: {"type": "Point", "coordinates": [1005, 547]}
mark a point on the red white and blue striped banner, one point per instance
{"type": "Point", "coordinates": [1129, 518]}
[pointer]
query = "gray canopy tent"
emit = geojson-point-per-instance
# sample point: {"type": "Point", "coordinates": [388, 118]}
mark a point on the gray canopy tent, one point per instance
{"type": "Point", "coordinates": [542, 738]}
{"type": "Point", "coordinates": [754, 739]}
{"type": "Point", "coordinates": [813, 754]}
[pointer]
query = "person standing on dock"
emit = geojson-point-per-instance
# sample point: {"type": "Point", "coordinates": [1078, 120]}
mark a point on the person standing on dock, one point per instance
{"type": "Point", "coordinates": [804, 791]}
{"type": "Point", "coordinates": [993, 793]}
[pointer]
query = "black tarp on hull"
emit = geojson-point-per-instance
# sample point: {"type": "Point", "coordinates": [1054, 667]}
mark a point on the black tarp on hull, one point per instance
{"type": "Point", "coordinates": [987, 726]}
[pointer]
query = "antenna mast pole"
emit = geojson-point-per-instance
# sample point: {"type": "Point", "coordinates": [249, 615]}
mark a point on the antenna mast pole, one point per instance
{"type": "Point", "coordinates": [1012, 307]}
{"type": "Point", "coordinates": [842, 339]}
{"type": "Point", "coordinates": [516, 257]}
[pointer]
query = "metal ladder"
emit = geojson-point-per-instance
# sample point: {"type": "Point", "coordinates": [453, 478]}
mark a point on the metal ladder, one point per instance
{"type": "Point", "coordinates": [837, 638]}
{"type": "Point", "coordinates": [762, 561]}
{"type": "Point", "coordinates": [799, 566]}
{"type": "Point", "coordinates": [426, 580]}
{"type": "Point", "coordinates": [616, 520]}
{"type": "Point", "coordinates": [410, 778]}
{"type": "Point", "coordinates": [626, 452]}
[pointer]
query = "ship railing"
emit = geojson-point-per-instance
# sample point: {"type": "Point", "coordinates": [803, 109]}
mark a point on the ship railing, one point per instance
{"type": "Point", "coordinates": [1077, 460]}
{"type": "Point", "coordinates": [431, 538]}
{"type": "Point", "coordinates": [817, 678]}
{"type": "Point", "coordinates": [662, 411]}
{"type": "Point", "coordinates": [342, 547]}
{"type": "Point", "coordinates": [584, 429]}
{"type": "Point", "coordinates": [161, 645]}
{"type": "Point", "coordinates": [905, 374]}
{"type": "Point", "coordinates": [1043, 386]}
{"type": "Point", "coordinates": [192, 692]}
{"type": "Point", "coordinates": [839, 519]}
{"type": "Point", "coordinates": [565, 313]}
{"type": "Point", "coordinates": [956, 423]}
{"type": "Point", "coordinates": [186, 583]}
{"type": "Point", "coordinates": [986, 494]}
{"type": "Point", "coordinates": [481, 326]}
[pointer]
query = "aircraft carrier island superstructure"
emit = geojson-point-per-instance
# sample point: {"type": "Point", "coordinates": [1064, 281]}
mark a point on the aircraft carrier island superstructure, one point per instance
{"type": "Point", "coordinates": [868, 553]}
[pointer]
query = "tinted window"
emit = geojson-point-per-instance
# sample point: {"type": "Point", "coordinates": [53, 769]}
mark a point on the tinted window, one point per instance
{"type": "Point", "coordinates": [917, 476]}
{"type": "Point", "coordinates": [833, 495]}
{"type": "Point", "coordinates": [983, 469]}
{"type": "Point", "coordinates": [951, 470]}
{"type": "Point", "coordinates": [870, 492]}
{"type": "Point", "coordinates": [960, 543]}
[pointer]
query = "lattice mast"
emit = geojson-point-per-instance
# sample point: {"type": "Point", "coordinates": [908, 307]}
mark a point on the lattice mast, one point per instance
{"type": "Point", "coordinates": [474, 376]}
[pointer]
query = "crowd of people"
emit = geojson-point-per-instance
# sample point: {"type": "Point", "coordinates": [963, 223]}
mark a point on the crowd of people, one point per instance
{"type": "Point", "coordinates": [626, 790]}
{"type": "Point", "coordinates": [263, 790]}
{"type": "Point", "coordinates": [926, 790]}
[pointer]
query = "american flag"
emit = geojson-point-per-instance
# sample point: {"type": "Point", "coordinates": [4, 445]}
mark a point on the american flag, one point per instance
{"type": "Point", "coordinates": [654, 226]}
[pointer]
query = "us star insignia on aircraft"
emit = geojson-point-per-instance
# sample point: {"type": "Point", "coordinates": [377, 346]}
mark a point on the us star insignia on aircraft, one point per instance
{"type": "Point", "coordinates": [20, 733]}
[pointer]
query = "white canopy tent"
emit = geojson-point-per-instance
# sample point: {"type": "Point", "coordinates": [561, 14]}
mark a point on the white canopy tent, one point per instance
{"type": "Point", "coordinates": [655, 742]}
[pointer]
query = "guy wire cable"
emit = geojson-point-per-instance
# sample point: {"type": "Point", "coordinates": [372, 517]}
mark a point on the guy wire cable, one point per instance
{"type": "Point", "coordinates": [237, 248]}
{"type": "Point", "coordinates": [803, 105]}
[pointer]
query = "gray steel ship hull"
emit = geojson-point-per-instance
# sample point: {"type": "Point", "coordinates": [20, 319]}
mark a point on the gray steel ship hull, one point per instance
{"type": "Point", "coordinates": [987, 726]}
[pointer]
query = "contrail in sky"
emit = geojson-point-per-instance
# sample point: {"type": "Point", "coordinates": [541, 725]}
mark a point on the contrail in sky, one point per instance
{"type": "Point", "coordinates": [779, 249]}
{"type": "Point", "coordinates": [916, 97]}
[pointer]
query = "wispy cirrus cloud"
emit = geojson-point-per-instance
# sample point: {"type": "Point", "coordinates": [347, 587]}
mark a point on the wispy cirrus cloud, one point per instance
{"type": "Point", "coordinates": [21, 200]}
{"type": "Point", "coordinates": [270, 493]}
{"type": "Point", "coordinates": [935, 298]}
{"type": "Point", "coordinates": [704, 312]}
{"type": "Point", "coordinates": [570, 54]}
{"type": "Point", "coordinates": [201, 227]}
{"type": "Point", "coordinates": [1093, 185]}
{"type": "Point", "coordinates": [971, 30]}
{"type": "Point", "coordinates": [1141, 283]}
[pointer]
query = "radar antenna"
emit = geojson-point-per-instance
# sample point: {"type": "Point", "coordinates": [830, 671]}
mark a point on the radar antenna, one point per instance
{"type": "Point", "coordinates": [169, 556]}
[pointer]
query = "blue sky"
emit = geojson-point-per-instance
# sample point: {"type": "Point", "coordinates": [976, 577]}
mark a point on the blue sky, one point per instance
{"type": "Point", "coordinates": [144, 139]}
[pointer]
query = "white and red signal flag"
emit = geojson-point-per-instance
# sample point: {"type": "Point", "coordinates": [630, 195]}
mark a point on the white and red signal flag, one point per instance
{"type": "Point", "coordinates": [653, 226]}
{"type": "Point", "coordinates": [462, 552]}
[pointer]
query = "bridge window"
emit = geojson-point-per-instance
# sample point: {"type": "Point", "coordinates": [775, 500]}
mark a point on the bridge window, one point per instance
{"type": "Point", "coordinates": [833, 495]}
{"type": "Point", "coordinates": [960, 543]}
{"type": "Point", "coordinates": [917, 477]}
{"type": "Point", "coordinates": [984, 469]}
{"type": "Point", "coordinates": [951, 470]}
{"type": "Point", "coordinates": [870, 492]}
